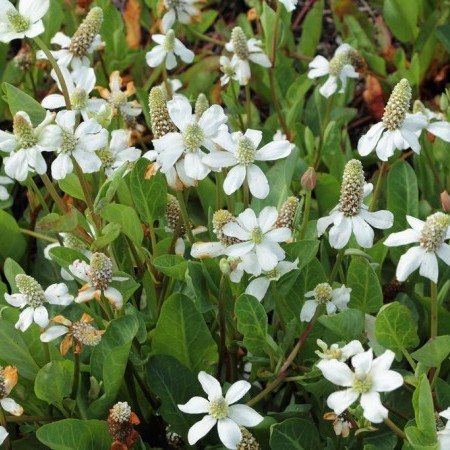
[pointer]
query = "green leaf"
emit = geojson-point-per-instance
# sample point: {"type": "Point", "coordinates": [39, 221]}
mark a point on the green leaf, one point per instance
{"type": "Point", "coordinates": [109, 188]}
{"type": "Point", "coordinates": [332, 154]}
{"type": "Point", "coordinates": [109, 360]}
{"type": "Point", "coordinates": [401, 17]}
{"type": "Point", "coordinates": [304, 250]}
{"type": "Point", "coordinates": [71, 185]}
{"type": "Point", "coordinates": [12, 242]}
{"type": "Point", "coordinates": [20, 101]}
{"type": "Point", "coordinates": [433, 353]}
{"type": "Point", "coordinates": [109, 233]}
{"type": "Point", "coordinates": [395, 328]}
{"type": "Point", "coordinates": [58, 223]}
{"type": "Point", "coordinates": [311, 30]}
{"type": "Point", "coordinates": [149, 195]}
{"type": "Point", "coordinates": [348, 325]}
{"type": "Point", "coordinates": [11, 269]}
{"type": "Point", "coordinates": [181, 332]}
{"type": "Point", "coordinates": [65, 256]}
{"type": "Point", "coordinates": [294, 434]}
{"type": "Point", "coordinates": [172, 265]}
{"type": "Point", "coordinates": [69, 434]}
{"type": "Point", "coordinates": [125, 216]}
{"type": "Point", "coordinates": [423, 435]}
{"type": "Point", "coordinates": [366, 294]}
{"type": "Point", "coordinates": [443, 34]}
{"type": "Point", "coordinates": [327, 189]}
{"type": "Point", "coordinates": [54, 381]}
{"type": "Point", "coordinates": [174, 384]}
{"type": "Point", "coordinates": [14, 350]}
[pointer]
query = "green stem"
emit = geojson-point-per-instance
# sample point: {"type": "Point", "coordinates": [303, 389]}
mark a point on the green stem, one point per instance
{"type": "Point", "coordinates": [432, 166]}
{"type": "Point", "coordinates": [305, 215]}
{"type": "Point", "coordinates": [409, 358]}
{"type": "Point", "coordinates": [245, 194]}
{"type": "Point", "coordinates": [167, 84]}
{"type": "Point", "coordinates": [76, 375]}
{"type": "Point", "coordinates": [36, 190]}
{"type": "Point", "coordinates": [377, 186]}
{"type": "Point", "coordinates": [388, 422]}
{"type": "Point", "coordinates": [19, 419]}
{"type": "Point", "coordinates": [434, 311]}
{"type": "Point", "coordinates": [337, 265]}
{"type": "Point", "coordinates": [219, 184]}
{"type": "Point", "coordinates": [236, 98]}
{"type": "Point", "coordinates": [248, 105]}
{"type": "Point", "coordinates": [53, 193]}
{"type": "Point", "coordinates": [57, 70]}
{"type": "Point", "coordinates": [38, 235]}
{"type": "Point", "coordinates": [6, 442]}
{"type": "Point", "coordinates": [206, 38]}
{"type": "Point", "coordinates": [185, 216]}
{"type": "Point", "coordinates": [282, 373]}
{"type": "Point", "coordinates": [322, 131]}
{"type": "Point", "coordinates": [222, 322]}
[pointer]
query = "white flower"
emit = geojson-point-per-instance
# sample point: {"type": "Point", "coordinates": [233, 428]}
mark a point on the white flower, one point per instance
{"type": "Point", "coordinates": [182, 150]}
{"type": "Point", "coordinates": [398, 129]}
{"type": "Point", "coordinates": [350, 215]}
{"type": "Point", "coordinates": [118, 152]}
{"type": "Point", "coordinates": [245, 50]}
{"type": "Point", "coordinates": [25, 21]}
{"type": "Point", "coordinates": [339, 67]}
{"type": "Point", "coordinates": [98, 277]}
{"type": "Point", "coordinates": [117, 98]}
{"type": "Point", "coordinates": [168, 46]}
{"type": "Point", "coordinates": [25, 147]}
{"type": "Point", "coordinates": [436, 127]}
{"type": "Point", "coordinates": [178, 10]}
{"type": "Point", "coordinates": [324, 294]}
{"type": "Point", "coordinates": [4, 194]}
{"type": "Point", "coordinates": [259, 248]}
{"type": "Point", "coordinates": [31, 298]}
{"type": "Point", "coordinates": [241, 151]}
{"type": "Point", "coordinates": [279, 136]}
{"type": "Point", "coordinates": [221, 411]}
{"type": "Point", "coordinates": [79, 85]}
{"type": "Point", "coordinates": [290, 5]}
{"type": "Point", "coordinates": [229, 69]}
{"type": "Point", "coordinates": [80, 144]}
{"type": "Point", "coordinates": [431, 235]}
{"type": "Point", "coordinates": [258, 286]}
{"type": "Point", "coordinates": [371, 376]}
{"type": "Point", "coordinates": [444, 435]}
{"type": "Point", "coordinates": [336, 352]}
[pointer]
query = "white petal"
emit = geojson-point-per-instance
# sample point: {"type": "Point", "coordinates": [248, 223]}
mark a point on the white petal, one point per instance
{"type": "Point", "coordinates": [114, 297]}
{"type": "Point", "coordinates": [351, 349]}
{"type": "Point", "coordinates": [196, 405]}
{"type": "Point", "coordinates": [341, 400]}
{"type": "Point", "coordinates": [440, 129]}
{"type": "Point", "coordinates": [260, 58]}
{"type": "Point", "coordinates": [242, 70]}
{"type": "Point", "coordinates": [318, 67]}
{"type": "Point", "coordinates": [200, 429]}
{"type": "Point", "coordinates": [25, 319]}
{"type": "Point", "coordinates": [184, 53]}
{"type": "Point", "coordinates": [416, 224]}
{"type": "Point", "coordinates": [217, 160]}
{"type": "Point", "coordinates": [3, 434]}
{"type": "Point", "coordinates": [329, 87]}
{"type": "Point", "coordinates": [234, 179]}
{"type": "Point", "coordinates": [255, 136]}
{"type": "Point", "coordinates": [363, 232]}
{"type": "Point", "coordinates": [210, 385]}
{"type": "Point", "coordinates": [362, 362]}
{"type": "Point", "coordinates": [86, 295]}
{"type": "Point", "coordinates": [409, 262]}
{"type": "Point", "coordinates": [308, 310]}
{"type": "Point", "coordinates": [411, 139]}
{"type": "Point", "coordinates": [444, 253]}
{"type": "Point", "coordinates": [379, 219]}
{"type": "Point", "coordinates": [17, 300]}
{"type": "Point", "coordinates": [282, 234]}
{"type": "Point", "coordinates": [232, 229]}
{"type": "Point", "coordinates": [240, 249]}
{"type": "Point", "coordinates": [340, 234]}
{"type": "Point", "coordinates": [180, 111]}
{"type": "Point", "coordinates": [207, 249]}
{"type": "Point", "coordinates": [53, 101]}
{"type": "Point", "coordinates": [373, 409]}
{"type": "Point", "coordinates": [429, 267]}
{"type": "Point", "coordinates": [211, 120]}
{"type": "Point", "coordinates": [244, 415]}
{"type": "Point", "coordinates": [257, 182]}
{"type": "Point", "coordinates": [337, 372]}
{"type": "Point", "coordinates": [274, 150]}
{"type": "Point", "coordinates": [236, 391]}
{"type": "Point", "coordinates": [40, 316]}
{"type": "Point", "coordinates": [58, 294]}
{"type": "Point", "coordinates": [247, 219]}
{"type": "Point", "coordinates": [386, 145]}
{"type": "Point", "coordinates": [402, 238]}
{"type": "Point", "coordinates": [229, 433]}
{"type": "Point", "coordinates": [33, 9]}
{"type": "Point", "coordinates": [267, 260]}
{"type": "Point", "coordinates": [258, 287]}
{"type": "Point", "coordinates": [9, 405]}
{"type": "Point", "coordinates": [323, 223]}
{"type": "Point", "coordinates": [53, 333]}
{"type": "Point", "coordinates": [369, 141]}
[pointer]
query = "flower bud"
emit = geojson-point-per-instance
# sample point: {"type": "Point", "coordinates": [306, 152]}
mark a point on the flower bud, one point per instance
{"type": "Point", "coordinates": [201, 105]}
{"type": "Point", "coordinates": [287, 213]}
{"type": "Point", "coordinates": [445, 200]}
{"type": "Point", "coordinates": [308, 180]}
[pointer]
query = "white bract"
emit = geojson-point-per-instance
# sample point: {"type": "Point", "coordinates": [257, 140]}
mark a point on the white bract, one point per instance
{"type": "Point", "coordinates": [229, 69]}
{"type": "Point", "coordinates": [370, 377]}
{"type": "Point", "coordinates": [324, 294]}
{"type": "Point", "coordinates": [258, 286]}
{"type": "Point", "coordinates": [336, 352]}
{"type": "Point", "coordinates": [4, 194]}
{"type": "Point", "coordinates": [25, 21]}
{"type": "Point", "coordinates": [25, 146]}
{"type": "Point", "coordinates": [436, 127]}
{"type": "Point", "coordinates": [430, 235]}
{"type": "Point", "coordinates": [241, 152]}
{"type": "Point", "coordinates": [290, 5]}
{"type": "Point", "coordinates": [221, 411]}
{"type": "Point", "coordinates": [79, 85]}
{"type": "Point", "coordinates": [338, 68]}
{"type": "Point", "coordinates": [182, 11]}
{"type": "Point", "coordinates": [79, 143]}
{"type": "Point", "coordinates": [182, 151]}
{"type": "Point", "coordinates": [168, 46]}
{"type": "Point", "coordinates": [245, 50]}
{"type": "Point", "coordinates": [350, 215]}
{"type": "Point", "coordinates": [259, 249]}
{"type": "Point", "coordinates": [32, 298]}
{"type": "Point", "coordinates": [98, 277]}
{"type": "Point", "coordinates": [398, 129]}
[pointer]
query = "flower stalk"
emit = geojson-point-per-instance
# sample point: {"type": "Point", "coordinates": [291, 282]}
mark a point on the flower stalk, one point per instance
{"type": "Point", "coordinates": [434, 311]}
{"type": "Point", "coordinates": [185, 216]}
